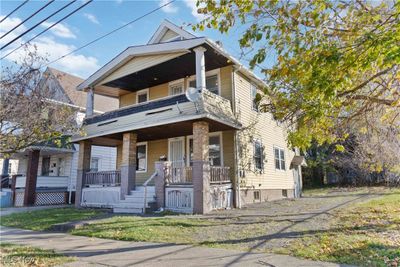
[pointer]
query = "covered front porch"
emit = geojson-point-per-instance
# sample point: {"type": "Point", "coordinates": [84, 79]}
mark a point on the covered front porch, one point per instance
{"type": "Point", "coordinates": [189, 170]}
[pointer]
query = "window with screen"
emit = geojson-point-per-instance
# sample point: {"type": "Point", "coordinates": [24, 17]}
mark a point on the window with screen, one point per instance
{"type": "Point", "coordinates": [141, 157]}
{"type": "Point", "coordinates": [258, 155]}
{"type": "Point", "coordinates": [211, 84]}
{"type": "Point", "coordinates": [279, 158]}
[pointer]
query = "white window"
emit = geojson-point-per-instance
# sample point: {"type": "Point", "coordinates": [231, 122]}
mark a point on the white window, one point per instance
{"type": "Point", "coordinates": [214, 150]}
{"type": "Point", "coordinates": [254, 102]}
{"type": "Point", "coordinates": [279, 158]}
{"type": "Point", "coordinates": [94, 164]}
{"type": "Point", "coordinates": [258, 155]}
{"type": "Point", "coordinates": [142, 96]}
{"type": "Point", "coordinates": [176, 87]}
{"type": "Point", "coordinates": [141, 157]}
{"type": "Point", "coordinates": [212, 82]}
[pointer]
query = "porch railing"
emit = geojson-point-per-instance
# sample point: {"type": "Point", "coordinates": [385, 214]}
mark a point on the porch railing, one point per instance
{"type": "Point", "coordinates": [178, 174]}
{"type": "Point", "coordinates": [219, 175]}
{"type": "Point", "coordinates": [183, 174]}
{"type": "Point", "coordinates": [103, 178]}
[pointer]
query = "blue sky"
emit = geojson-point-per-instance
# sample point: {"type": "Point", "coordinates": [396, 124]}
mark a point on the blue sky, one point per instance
{"type": "Point", "coordinates": [97, 18]}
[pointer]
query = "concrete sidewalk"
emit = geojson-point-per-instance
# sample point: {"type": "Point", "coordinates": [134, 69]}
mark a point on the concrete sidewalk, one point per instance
{"type": "Point", "coordinates": [104, 252]}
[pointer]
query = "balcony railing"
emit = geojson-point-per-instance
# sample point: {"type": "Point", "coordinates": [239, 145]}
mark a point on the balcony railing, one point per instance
{"type": "Point", "coordinates": [103, 178]}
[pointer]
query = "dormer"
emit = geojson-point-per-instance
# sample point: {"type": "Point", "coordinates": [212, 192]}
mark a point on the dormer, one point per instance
{"type": "Point", "coordinates": [169, 32]}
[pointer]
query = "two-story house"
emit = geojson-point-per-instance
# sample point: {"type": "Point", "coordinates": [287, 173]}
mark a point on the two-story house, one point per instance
{"type": "Point", "coordinates": [47, 172]}
{"type": "Point", "coordinates": [189, 150]}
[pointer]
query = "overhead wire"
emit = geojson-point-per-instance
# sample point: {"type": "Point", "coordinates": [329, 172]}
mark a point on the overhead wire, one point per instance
{"type": "Point", "coordinates": [28, 18]}
{"type": "Point", "coordinates": [12, 12]}
{"type": "Point", "coordinates": [113, 31]}
{"type": "Point", "coordinates": [51, 26]}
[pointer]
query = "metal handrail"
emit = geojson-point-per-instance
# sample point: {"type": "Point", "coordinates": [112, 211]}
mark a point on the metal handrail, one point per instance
{"type": "Point", "coordinates": [145, 190]}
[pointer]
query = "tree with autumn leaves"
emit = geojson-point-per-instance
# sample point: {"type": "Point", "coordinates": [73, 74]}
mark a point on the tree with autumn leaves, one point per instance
{"type": "Point", "coordinates": [336, 63]}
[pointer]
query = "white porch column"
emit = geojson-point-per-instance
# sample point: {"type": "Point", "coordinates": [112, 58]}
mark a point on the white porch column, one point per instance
{"type": "Point", "coordinates": [89, 102]}
{"type": "Point", "coordinates": [200, 68]}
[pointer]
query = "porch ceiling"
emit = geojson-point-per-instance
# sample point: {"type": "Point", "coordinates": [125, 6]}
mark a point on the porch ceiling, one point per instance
{"type": "Point", "coordinates": [160, 132]}
{"type": "Point", "coordinates": [180, 67]}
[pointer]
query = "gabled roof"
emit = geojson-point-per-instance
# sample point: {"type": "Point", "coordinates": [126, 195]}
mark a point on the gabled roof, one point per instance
{"type": "Point", "coordinates": [167, 31]}
{"type": "Point", "coordinates": [189, 41]}
{"type": "Point", "coordinates": [68, 83]}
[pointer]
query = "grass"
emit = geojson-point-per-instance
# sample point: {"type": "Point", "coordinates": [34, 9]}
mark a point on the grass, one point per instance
{"type": "Point", "coordinates": [362, 233]}
{"type": "Point", "coordinates": [366, 234]}
{"type": "Point", "coordinates": [132, 228]}
{"type": "Point", "coordinates": [41, 220]}
{"type": "Point", "coordinates": [16, 255]}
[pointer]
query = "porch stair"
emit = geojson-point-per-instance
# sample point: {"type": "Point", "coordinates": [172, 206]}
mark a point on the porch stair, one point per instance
{"type": "Point", "coordinates": [134, 202]}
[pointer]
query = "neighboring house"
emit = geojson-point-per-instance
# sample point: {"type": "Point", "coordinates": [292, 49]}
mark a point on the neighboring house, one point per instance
{"type": "Point", "coordinates": [202, 149]}
{"type": "Point", "coordinates": [55, 178]}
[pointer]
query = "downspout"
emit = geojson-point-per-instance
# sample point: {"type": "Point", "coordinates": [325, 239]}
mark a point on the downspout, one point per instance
{"type": "Point", "coordinates": [235, 140]}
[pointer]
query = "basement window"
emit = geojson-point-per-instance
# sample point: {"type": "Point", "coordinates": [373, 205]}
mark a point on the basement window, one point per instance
{"type": "Point", "coordinates": [256, 195]}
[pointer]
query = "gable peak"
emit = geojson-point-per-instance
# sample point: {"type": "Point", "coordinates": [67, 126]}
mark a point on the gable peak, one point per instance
{"type": "Point", "coordinates": [168, 31]}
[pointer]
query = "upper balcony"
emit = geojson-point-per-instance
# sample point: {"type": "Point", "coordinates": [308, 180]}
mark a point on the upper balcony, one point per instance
{"type": "Point", "coordinates": [150, 66]}
{"type": "Point", "coordinates": [162, 118]}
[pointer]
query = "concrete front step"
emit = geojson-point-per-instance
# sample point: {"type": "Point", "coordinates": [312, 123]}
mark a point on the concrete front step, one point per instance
{"type": "Point", "coordinates": [133, 203]}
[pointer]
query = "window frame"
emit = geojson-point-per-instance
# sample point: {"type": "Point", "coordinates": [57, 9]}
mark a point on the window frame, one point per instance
{"type": "Point", "coordinates": [141, 92]}
{"type": "Point", "coordinates": [147, 157]}
{"type": "Point", "coordinates": [190, 137]}
{"type": "Point", "coordinates": [98, 161]}
{"type": "Point", "coordinates": [253, 88]}
{"type": "Point", "coordinates": [280, 149]}
{"type": "Point", "coordinates": [261, 155]}
{"type": "Point", "coordinates": [174, 83]}
{"type": "Point", "coordinates": [208, 73]}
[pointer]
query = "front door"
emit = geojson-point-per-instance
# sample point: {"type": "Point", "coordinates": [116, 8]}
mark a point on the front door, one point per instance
{"type": "Point", "coordinates": [176, 155]}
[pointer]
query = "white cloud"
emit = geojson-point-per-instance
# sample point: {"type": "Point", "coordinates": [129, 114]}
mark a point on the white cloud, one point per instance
{"type": "Point", "coordinates": [49, 48]}
{"type": "Point", "coordinates": [60, 30]}
{"type": "Point", "coordinates": [7, 25]}
{"type": "Point", "coordinates": [92, 18]}
{"type": "Point", "coordinates": [192, 5]}
{"type": "Point", "coordinates": [169, 8]}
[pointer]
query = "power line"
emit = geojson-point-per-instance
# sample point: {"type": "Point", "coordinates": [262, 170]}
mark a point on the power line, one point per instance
{"type": "Point", "coordinates": [40, 22]}
{"type": "Point", "coordinates": [111, 32]}
{"type": "Point", "coordinates": [25, 20]}
{"type": "Point", "coordinates": [18, 7]}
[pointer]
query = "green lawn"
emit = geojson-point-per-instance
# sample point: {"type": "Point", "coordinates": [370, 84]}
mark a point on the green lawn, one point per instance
{"type": "Point", "coordinates": [366, 234]}
{"type": "Point", "coordinates": [179, 230]}
{"type": "Point", "coordinates": [41, 220]}
{"type": "Point", "coordinates": [16, 255]}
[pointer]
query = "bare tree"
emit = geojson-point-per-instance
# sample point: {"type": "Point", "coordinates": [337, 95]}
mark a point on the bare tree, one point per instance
{"type": "Point", "coordinates": [28, 114]}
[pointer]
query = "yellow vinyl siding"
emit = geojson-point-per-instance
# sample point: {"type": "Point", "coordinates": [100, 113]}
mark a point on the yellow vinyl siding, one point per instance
{"type": "Point", "coordinates": [270, 133]}
{"type": "Point", "coordinates": [162, 90]}
{"type": "Point", "coordinates": [126, 100]}
{"type": "Point", "coordinates": [226, 82]}
{"type": "Point", "coordinates": [155, 149]}
{"type": "Point", "coordinates": [229, 151]}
